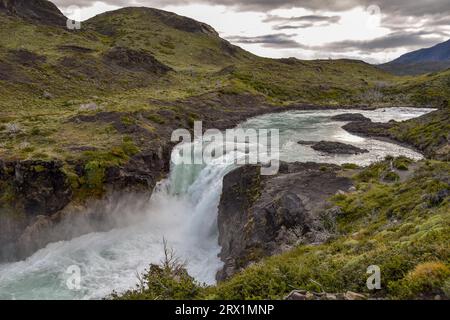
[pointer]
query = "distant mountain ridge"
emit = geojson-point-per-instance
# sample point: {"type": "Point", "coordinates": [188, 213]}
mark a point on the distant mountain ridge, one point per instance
{"type": "Point", "coordinates": [436, 58]}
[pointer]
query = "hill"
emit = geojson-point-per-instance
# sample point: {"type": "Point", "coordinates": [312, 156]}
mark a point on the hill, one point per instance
{"type": "Point", "coordinates": [436, 58]}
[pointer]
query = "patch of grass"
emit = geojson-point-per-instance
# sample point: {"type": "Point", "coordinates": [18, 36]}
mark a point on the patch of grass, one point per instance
{"type": "Point", "coordinates": [430, 133]}
{"type": "Point", "coordinates": [350, 166]}
{"type": "Point", "coordinates": [427, 280]}
{"type": "Point", "coordinates": [402, 163]}
{"type": "Point", "coordinates": [156, 118]}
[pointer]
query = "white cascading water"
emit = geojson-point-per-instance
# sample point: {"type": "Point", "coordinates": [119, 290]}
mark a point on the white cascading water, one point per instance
{"type": "Point", "coordinates": [182, 210]}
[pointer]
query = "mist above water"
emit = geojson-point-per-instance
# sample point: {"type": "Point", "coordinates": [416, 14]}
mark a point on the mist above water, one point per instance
{"type": "Point", "coordinates": [183, 210]}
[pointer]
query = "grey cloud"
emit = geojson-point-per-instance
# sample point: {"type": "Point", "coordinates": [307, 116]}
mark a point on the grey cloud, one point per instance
{"type": "Point", "coordinates": [391, 41]}
{"type": "Point", "coordinates": [302, 21]}
{"type": "Point", "coordinates": [309, 18]}
{"type": "Point", "coordinates": [398, 7]}
{"type": "Point", "coordinates": [277, 40]}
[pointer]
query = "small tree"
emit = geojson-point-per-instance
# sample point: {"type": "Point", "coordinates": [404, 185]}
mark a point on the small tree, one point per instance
{"type": "Point", "coordinates": [167, 281]}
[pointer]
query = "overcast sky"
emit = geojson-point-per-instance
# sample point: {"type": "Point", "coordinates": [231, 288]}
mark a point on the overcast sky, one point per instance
{"type": "Point", "coordinates": [374, 31]}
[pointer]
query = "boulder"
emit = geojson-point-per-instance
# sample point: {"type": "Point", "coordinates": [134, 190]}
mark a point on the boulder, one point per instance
{"type": "Point", "coordinates": [135, 60]}
{"type": "Point", "coordinates": [351, 117]}
{"type": "Point", "coordinates": [337, 148]}
{"type": "Point", "coordinates": [264, 215]}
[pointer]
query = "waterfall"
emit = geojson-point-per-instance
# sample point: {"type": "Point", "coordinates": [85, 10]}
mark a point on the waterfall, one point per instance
{"type": "Point", "coordinates": [183, 210]}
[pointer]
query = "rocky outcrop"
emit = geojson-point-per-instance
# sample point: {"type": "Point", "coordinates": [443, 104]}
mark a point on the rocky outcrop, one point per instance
{"type": "Point", "coordinates": [36, 206]}
{"type": "Point", "coordinates": [261, 216]}
{"type": "Point", "coordinates": [141, 173]}
{"type": "Point", "coordinates": [136, 60]}
{"type": "Point", "coordinates": [337, 148]}
{"type": "Point", "coordinates": [333, 147]}
{"type": "Point", "coordinates": [40, 187]}
{"type": "Point", "coordinates": [350, 117]}
{"type": "Point", "coordinates": [370, 129]}
{"type": "Point", "coordinates": [28, 190]}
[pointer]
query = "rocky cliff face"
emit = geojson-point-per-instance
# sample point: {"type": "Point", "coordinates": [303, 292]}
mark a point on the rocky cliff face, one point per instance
{"type": "Point", "coordinates": [37, 208]}
{"type": "Point", "coordinates": [261, 216]}
{"type": "Point", "coordinates": [29, 189]}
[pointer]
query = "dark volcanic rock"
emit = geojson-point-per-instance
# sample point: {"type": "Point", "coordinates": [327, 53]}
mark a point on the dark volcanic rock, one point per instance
{"type": "Point", "coordinates": [337, 148]}
{"type": "Point", "coordinates": [28, 189]}
{"type": "Point", "coordinates": [136, 60]}
{"type": "Point", "coordinates": [350, 117]}
{"type": "Point", "coordinates": [372, 129]}
{"type": "Point", "coordinates": [35, 200]}
{"type": "Point", "coordinates": [42, 187]}
{"type": "Point", "coordinates": [36, 10]}
{"type": "Point", "coordinates": [260, 216]}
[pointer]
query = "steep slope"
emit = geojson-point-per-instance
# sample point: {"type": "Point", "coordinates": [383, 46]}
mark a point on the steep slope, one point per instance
{"type": "Point", "coordinates": [436, 58]}
{"type": "Point", "coordinates": [426, 90]}
{"type": "Point", "coordinates": [35, 10]}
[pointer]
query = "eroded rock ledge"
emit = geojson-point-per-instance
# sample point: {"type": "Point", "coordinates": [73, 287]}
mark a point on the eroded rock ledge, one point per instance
{"type": "Point", "coordinates": [37, 200]}
{"type": "Point", "coordinates": [351, 117]}
{"type": "Point", "coordinates": [333, 147]}
{"type": "Point", "coordinates": [264, 215]}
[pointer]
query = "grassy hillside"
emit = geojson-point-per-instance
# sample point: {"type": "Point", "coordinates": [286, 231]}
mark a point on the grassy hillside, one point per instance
{"type": "Point", "coordinates": [429, 89]}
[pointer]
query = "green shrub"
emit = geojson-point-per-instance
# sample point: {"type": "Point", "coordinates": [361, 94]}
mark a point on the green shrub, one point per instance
{"type": "Point", "coordinates": [95, 175]}
{"type": "Point", "coordinates": [402, 163]}
{"type": "Point", "coordinates": [156, 118]}
{"type": "Point", "coordinates": [425, 281]}
{"type": "Point", "coordinates": [168, 281]}
{"type": "Point", "coordinates": [350, 166]}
